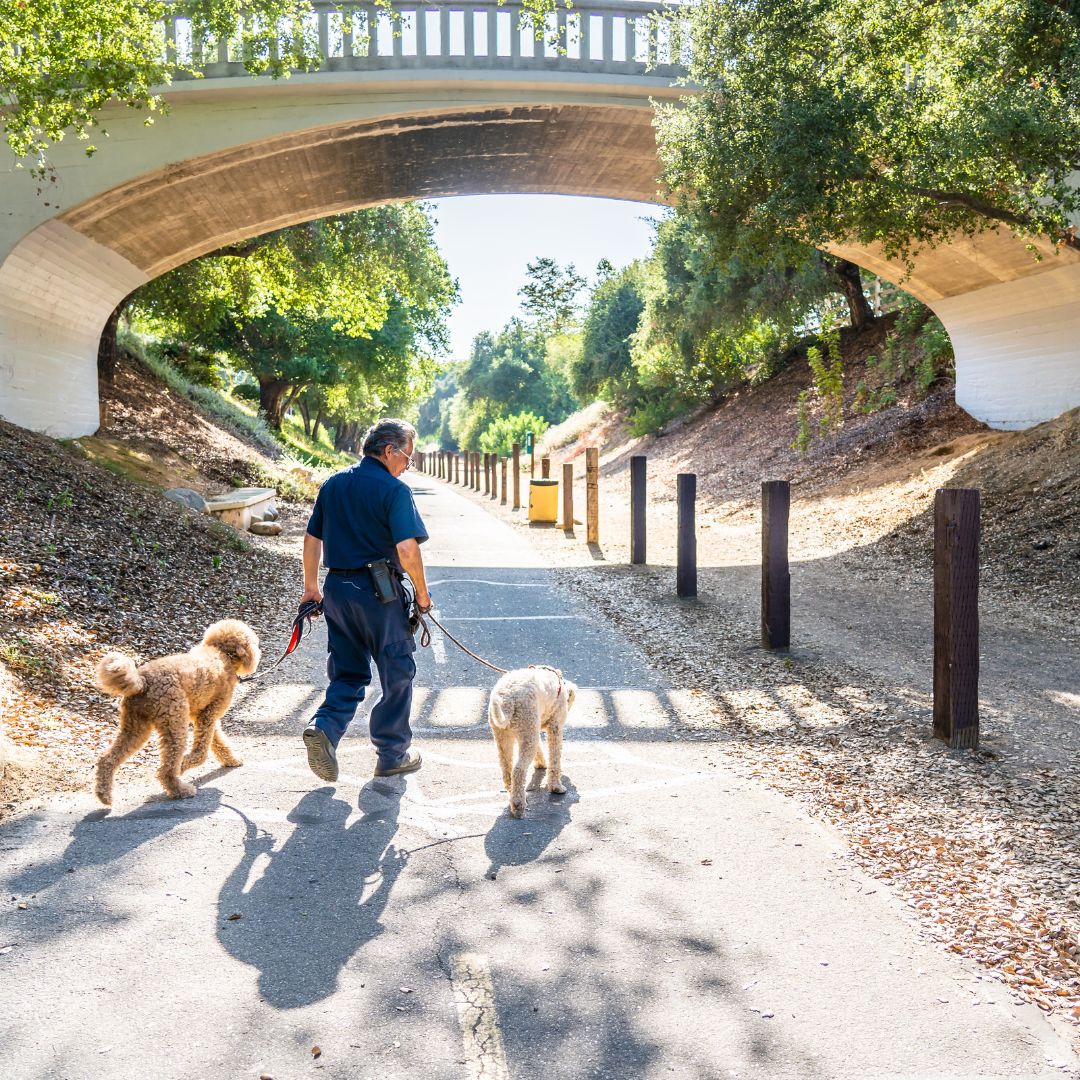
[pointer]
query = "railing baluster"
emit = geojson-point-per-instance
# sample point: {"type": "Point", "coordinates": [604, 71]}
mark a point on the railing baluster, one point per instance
{"type": "Point", "coordinates": [420, 15]}
{"type": "Point", "coordinates": [643, 39]}
{"type": "Point", "coordinates": [324, 33]}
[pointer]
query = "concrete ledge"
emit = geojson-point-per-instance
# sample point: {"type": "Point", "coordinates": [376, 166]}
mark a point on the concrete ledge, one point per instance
{"type": "Point", "coordinates": [240, 508]}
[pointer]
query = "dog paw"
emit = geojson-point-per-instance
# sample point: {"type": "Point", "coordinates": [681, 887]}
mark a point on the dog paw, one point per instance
{"type": "Point", "coordinates": [557, 789]}
{"type": "Point", "coordinates": [517, 809]}
{"type": "Point", "coordinates": [104, 797]}
{"type": "Point", "coordinates": [232, 763]}
{"type": "Point", "coordinates": [185, 791]}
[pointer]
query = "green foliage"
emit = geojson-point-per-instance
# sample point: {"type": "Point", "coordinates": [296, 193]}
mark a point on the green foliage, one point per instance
{"type": "Point", "coordinates": [246, 392]}
{"type": "Point", "coordinates": [348, 311]}
{"type": "Point", "coordinates": [605, 367]}
{"type": "Point", "coordinates": [876, 122]}
{"type": "Point", "coordinates": [709, 322]}
{"type": "Point", "coordinates": [433, 412]}
{"type": "Point", "coordinates": [550, 297]}
{"type": "Point", "coordinates": [918, 349]}
{"type": "Point", "coordinates": [518, 370]}
{"type": "Point", "coordinates": [501, 434]}
{"type": "Point", "coordinates": [828, 381]}
{"type": "Point", "coordinates": [61, 62]}
{"type": "Point", "coordinates": [193, 364]}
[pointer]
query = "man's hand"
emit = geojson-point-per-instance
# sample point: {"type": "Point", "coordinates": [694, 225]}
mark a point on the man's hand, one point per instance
{"type": "Point", "coordinates": [312, 554]}
{"type": "Point", "coordinates": [413, 565]}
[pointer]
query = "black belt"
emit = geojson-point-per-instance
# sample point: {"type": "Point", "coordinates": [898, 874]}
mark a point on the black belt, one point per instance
{"type": "Point", "coordinates": [346, 573]}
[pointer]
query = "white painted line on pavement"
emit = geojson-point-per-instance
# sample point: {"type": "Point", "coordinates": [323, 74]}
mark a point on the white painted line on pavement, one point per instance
{"type": "Point", "coordinates": [505, 618]}
{"type": "Point", "coordinates": [474, 995]}
{"type": "Point", "coordinates": [484, 581]}
{"type": "Point", "coordinates": [438, 642]}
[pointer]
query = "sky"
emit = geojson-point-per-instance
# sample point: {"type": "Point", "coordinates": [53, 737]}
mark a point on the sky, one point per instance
{"type": "Point", "coordinates": [487, 240]}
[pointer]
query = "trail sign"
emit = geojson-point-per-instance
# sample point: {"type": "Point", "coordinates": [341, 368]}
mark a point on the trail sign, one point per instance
{"type": "Point", "coordinates": [528, 442]}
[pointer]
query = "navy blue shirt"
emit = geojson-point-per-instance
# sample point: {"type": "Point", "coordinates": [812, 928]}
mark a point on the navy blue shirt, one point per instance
{"type": "Point", "coordinates": [362, 513]}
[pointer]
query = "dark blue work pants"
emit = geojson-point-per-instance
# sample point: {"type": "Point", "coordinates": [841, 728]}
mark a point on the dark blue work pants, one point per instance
{"type": "Point", "coordinates": [361, 629]}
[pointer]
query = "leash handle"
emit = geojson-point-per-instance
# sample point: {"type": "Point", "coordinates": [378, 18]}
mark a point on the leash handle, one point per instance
{"type": "Point", "coordinates": [308, 610]}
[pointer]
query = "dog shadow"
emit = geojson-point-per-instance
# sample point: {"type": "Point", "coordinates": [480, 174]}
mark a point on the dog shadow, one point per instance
{"type": "Point", "coordinates": [317, 900]}
{"type": "Point", "coordinates": [515, 841]}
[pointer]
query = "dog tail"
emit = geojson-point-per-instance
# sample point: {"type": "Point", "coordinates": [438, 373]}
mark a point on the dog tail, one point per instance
{"type": "Point", "coordinates": [496, 716]}
{"type": "Point", "coordinates": [117, 674]}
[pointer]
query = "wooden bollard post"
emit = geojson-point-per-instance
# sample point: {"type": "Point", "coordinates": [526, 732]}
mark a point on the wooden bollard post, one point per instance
{"type": "Point", "coordinates": [686, 540]}
{"type": "Point", "coordinates": [502, 500]}
{"type": "Point", "coordinates": [517, 476]}
{"type": "Point", "coordinates": [457, 468]}
{"type": "Point", "coordinates": [637, 509]}
{"type": "Point", "coordinates": [592, 495]}
{"type": "Point", "coordinates": [956, 616]}
{"type": "Point", "coordinates": [568, 497]}
{"type": "Point", "coordinates": [545, 468]}
{"type": "Point", "coordinates": [487, 474]}
{"type": "Point", "coordinates": [775, 576]}
{"type": "Point", "coordinates": [476, 471]}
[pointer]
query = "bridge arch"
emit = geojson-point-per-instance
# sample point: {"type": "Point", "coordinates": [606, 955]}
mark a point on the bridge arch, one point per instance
{"type": "Point", "coordinates": [429, 118]}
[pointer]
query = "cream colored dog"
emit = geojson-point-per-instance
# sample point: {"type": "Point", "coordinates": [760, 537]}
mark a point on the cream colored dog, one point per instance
{"type": "Point", "coordinates": [522, 703]}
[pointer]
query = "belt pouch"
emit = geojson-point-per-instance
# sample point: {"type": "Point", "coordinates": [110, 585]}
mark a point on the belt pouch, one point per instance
{"type": "Point", "coordinates": [381, 579]}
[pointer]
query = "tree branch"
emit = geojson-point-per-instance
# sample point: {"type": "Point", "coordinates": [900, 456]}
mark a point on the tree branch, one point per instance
{"type": "Point", "coordinates": [1067, 237]}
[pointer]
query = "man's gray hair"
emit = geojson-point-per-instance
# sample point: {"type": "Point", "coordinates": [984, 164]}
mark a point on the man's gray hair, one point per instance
{"type": "Point", "coordinates": [388, 432]}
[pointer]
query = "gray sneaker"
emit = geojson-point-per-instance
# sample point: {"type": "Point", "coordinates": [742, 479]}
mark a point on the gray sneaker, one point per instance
{"type": "Point", "coordinates": [321, 756]}
{"type": "Point", "coordinates": [412, 762]}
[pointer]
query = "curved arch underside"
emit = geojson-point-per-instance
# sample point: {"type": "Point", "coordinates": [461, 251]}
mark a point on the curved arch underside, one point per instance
{"type": "Point", "coordinates": [168, 217]}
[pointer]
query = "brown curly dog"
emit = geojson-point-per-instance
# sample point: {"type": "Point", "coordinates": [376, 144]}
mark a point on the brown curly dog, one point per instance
{"type": "Point", "coordinates": [167, 694]}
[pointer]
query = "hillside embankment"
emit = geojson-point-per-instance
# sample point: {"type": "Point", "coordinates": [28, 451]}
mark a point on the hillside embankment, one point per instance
{"type": "Point", "coordinates": [92, 557]}
{"type": "Point", "coordinates": [982, 844]}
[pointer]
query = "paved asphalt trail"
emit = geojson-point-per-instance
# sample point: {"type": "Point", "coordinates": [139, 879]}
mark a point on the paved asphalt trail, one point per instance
{"type": "Point", "coordinates": [663, 919]}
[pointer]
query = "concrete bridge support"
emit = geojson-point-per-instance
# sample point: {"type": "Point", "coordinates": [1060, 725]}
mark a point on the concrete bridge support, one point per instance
{"type": "Point", "coordinates": [1014, 320]}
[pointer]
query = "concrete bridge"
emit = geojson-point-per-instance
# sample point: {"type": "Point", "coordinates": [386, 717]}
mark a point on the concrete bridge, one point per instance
{"type": "Point", "coordinates": [443, 99]}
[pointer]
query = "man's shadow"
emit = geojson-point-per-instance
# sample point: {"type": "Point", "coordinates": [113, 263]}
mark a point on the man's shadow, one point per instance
{"type": "Point", "coordinates": [318, 899]}
{"type": "Point", "coordinates": [515, 841]}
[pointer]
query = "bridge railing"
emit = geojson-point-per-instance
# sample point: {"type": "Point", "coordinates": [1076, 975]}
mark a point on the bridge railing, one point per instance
{"type": "Point", "coordinates": [617, 37]}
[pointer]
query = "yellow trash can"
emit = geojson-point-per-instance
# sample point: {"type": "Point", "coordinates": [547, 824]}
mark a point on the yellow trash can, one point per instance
{"type": "Point", "coordinates": [543, 500]}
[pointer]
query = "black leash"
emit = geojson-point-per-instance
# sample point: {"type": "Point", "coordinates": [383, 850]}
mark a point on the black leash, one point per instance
{"type": "Point", "coordinates": [309, 610]}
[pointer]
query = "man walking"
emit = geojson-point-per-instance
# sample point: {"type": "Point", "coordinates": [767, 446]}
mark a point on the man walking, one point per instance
{"type": "Point", "coordinates": [366, 526]}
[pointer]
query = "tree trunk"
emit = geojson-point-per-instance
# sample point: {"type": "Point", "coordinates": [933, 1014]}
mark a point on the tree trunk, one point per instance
{"type": "Point", "coordinates": [850, 282]}
{"type": "Point", "coordinates": [315, 426]}
{"type": "Point", "coordinates": [272, 400]}
{"type": "Point", "coordinates": [346, 435]}
{"type": "Point", "coordinates": [306, 414]}
{"type": "Point", "coordinates": [106, 351]}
